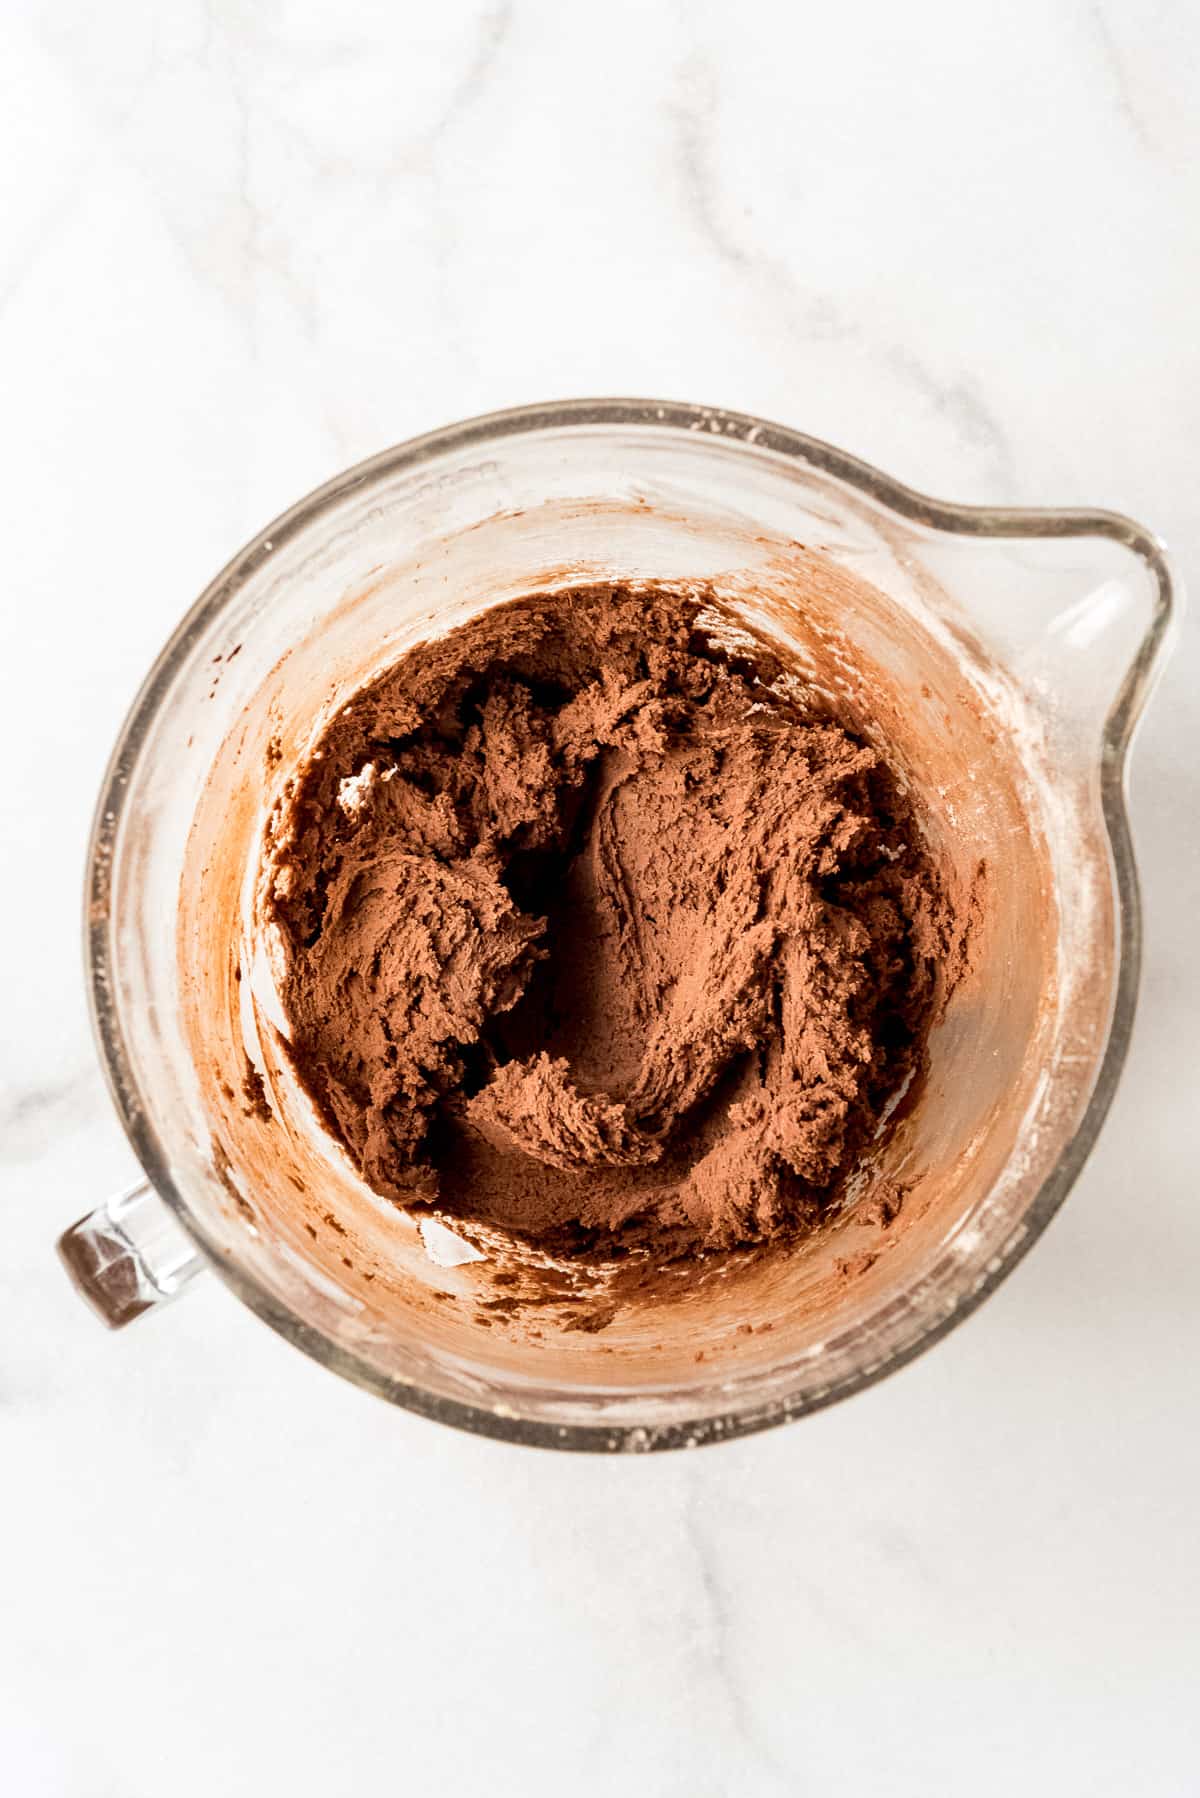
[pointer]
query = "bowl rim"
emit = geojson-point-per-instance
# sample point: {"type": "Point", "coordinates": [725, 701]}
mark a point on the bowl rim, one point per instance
{"type": "Point", "coordinates": [730, 428]}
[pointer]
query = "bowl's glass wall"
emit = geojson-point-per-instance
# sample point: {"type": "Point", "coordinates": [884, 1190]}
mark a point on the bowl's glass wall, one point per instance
{"type": "Point", "coordinates": [1039, 631]}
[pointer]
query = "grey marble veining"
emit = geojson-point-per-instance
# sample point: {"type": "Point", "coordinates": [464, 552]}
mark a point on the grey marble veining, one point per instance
{"type": "Point", "coordinates": [244, 246]}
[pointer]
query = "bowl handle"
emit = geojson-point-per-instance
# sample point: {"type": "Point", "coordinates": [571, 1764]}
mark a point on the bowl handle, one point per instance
{"type": "Point", "coordinates": [129, 1255]}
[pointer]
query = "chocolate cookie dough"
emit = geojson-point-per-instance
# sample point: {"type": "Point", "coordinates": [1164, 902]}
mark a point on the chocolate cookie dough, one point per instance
{"type": "Point", "coordinates": [597, 926]}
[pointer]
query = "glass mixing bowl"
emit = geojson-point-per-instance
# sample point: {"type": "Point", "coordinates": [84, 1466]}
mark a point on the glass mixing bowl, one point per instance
{"type": "Point", "coordinates": [1014, 651]}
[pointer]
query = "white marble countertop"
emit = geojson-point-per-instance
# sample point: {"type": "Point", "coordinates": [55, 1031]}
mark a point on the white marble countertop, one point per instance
{"type": "Point", "coordinates": [243, 246]}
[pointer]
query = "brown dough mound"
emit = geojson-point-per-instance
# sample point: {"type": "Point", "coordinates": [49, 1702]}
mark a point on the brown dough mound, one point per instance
{"type": "Point", "coordinates": [598, 929]}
